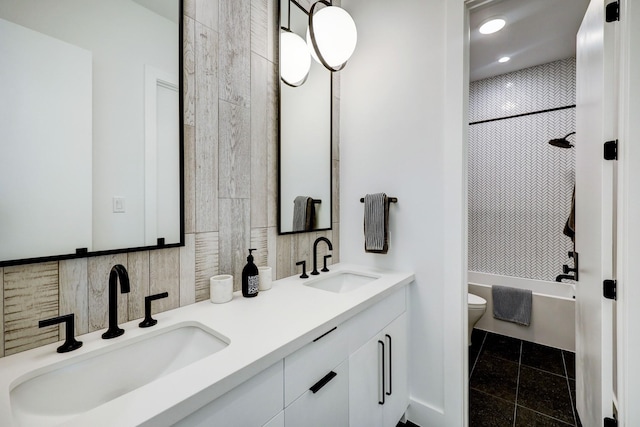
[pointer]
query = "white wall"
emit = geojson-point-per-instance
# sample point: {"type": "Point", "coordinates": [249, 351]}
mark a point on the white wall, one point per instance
{"type": "Point", "coordinates": [402, 97]}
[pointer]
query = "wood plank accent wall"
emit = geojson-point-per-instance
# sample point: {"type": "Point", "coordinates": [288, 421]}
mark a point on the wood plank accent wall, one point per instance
{"type": "Point", "coordinates": [231, 147]}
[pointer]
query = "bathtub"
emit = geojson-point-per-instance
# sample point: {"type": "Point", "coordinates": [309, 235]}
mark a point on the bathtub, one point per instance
{"type": "Point", "coordinates": [552, 315]}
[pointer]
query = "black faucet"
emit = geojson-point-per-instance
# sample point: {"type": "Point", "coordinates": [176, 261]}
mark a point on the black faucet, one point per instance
{"type": "Point", "coordinates": [118, 272]}
{"type": "Point", "coordinates": [566, 269]}
{"type": "Point", "coordinates": [70, 342]}
{"type": "Point", "coordinates": [148, 320]}
{"type": "Point", "coordinates": [315, 252]}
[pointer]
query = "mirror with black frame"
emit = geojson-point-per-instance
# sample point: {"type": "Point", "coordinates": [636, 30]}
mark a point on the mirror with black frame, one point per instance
{"type": "Point", "coordinates": [304, 197]}
{"type": "Point", "coordinates": [91, 127]}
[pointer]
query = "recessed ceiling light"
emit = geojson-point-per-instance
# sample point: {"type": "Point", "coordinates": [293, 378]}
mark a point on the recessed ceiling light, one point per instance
{"type": "Point", "coordinates": [492, 26]}
{"type": "Point", "coordinates": [504, 59]}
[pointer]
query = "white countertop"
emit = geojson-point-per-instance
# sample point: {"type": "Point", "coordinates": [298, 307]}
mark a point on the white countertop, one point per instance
{"type": "Point", "coordinates": [261, 331]}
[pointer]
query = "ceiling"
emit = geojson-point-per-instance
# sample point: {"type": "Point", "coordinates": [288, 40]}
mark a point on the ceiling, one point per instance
{"type": "Point", "coordinates": [537, 32]}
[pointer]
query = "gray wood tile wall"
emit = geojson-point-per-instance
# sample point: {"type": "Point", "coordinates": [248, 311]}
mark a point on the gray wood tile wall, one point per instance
{"type": "Point", "coordinates": [230, 110]}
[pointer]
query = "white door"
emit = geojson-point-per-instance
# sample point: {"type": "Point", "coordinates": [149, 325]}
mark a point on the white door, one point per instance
{"type": "Point", "coordinates": [595, 124]}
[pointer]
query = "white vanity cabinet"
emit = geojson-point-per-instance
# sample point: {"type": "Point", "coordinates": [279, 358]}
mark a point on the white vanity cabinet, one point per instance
{"type": "Point", "coordinates": [327, 406]}
{"type": "Point", "coordinates": [316, 381]}
{"type": "Point", "coordinates": [378, 391]}
{"type": "Point", "coordinates": [277, 421]}
{"type": "Point", "coordinates": [353, 374]}
{"type": "Point", "coordinates": [253, 403]}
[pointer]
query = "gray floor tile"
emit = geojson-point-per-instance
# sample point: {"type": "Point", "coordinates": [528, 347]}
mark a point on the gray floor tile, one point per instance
{"type": "Point", "coordinates": [495, 376]}
{"type": "Point", "coordinates": [502, 347]}
{"type": "Point", "coordinates": [489, 411]}
{"type": "Point", "coordinates": [528, 418]}
{"type": "Point", "coordinates": [545, 393]}
{"type": "Point", "coordinates": [542, 357]}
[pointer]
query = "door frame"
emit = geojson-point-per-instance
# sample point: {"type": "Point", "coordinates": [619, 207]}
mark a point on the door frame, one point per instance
{"type": "Point", "coordinates": [628, 211]}
{"type": "Point", "coordinates": [628, 205]}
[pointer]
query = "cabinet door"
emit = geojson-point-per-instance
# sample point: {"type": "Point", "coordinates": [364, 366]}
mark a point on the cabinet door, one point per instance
{"type": "Point", "coordinates": [328, 406]}
{"type": "Point", "coordinates": [396, 389]}
{"type": "Point", "coordinates": [277, 421]}
{"type": "Point", "coordinates": [365, 385]}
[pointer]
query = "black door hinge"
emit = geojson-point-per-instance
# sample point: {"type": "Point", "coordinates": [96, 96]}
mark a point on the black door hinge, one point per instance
{"type": "Point", "coordinates": [609, 289]}
{"type": "Point", "coordinates": [610, 422]}
{"type": "Point", "coordinates": [611, 150]}
{"type": "Point", "coordinates": [612, 11]}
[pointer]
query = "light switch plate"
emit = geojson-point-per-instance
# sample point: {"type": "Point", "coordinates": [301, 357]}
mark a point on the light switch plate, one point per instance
{"type": "Point", "coordinates": [118, 205]}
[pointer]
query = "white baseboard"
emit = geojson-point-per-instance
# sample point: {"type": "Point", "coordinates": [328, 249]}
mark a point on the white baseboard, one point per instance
{"type": "Point", "coordinates": [425, 415]}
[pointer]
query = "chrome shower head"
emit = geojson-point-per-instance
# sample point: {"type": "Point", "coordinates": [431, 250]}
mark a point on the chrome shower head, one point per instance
{"type": "Point", "coordinates": [562, 142]}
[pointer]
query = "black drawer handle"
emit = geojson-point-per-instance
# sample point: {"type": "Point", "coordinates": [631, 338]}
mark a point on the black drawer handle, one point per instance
{"type": "Point", "coordinates": [325, 334]}
{"type": "Point", "coordinates": [381, 402]}
{"type": "Point", "coordinates": [323, 382]}
{"type": "Point", "coordinates": [388, 393]}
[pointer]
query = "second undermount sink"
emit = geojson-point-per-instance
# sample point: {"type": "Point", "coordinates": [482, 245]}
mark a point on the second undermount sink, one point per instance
{"type": "Point", "coordinates": [87, 381]}
{"type": "Point", "coordinates": [341, 281]}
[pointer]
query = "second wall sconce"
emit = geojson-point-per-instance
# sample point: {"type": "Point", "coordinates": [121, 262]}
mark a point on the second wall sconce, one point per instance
{"type": "Point", "coordinates": [295, 61]}
{"type": "Point", "coordinates": [331, 40]}
{"type": "Point", "coordinates": [331, 35]}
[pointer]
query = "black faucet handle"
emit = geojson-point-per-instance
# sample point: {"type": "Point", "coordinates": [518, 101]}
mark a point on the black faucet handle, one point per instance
{"type": "Point", "coordinates": [304, 274]}
{"type": "Point", "coordinates": [148, 320]}
{"type": "Point", "coordinates": [70, 342]}
{"type": "Point", "coordinates": [325, 269]}
{"type": "Point", "coordinates": [566, 269]}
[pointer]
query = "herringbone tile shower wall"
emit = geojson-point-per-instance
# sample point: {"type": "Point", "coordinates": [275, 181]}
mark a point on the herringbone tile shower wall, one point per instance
{"type": "Point", "coordinates": [520, 187]}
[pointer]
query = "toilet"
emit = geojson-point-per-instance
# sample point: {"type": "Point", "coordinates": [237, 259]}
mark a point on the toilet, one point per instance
{"type": "Point", "coordinates": [476, 307]}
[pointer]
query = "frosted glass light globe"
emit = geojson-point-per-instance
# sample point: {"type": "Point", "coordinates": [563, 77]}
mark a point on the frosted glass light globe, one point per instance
{"type": "Point", "coordinates": [336, 35]}
{"type": "Point", "coordinates": [295, 61]}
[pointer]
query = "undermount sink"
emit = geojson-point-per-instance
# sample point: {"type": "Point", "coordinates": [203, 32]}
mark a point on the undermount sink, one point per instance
{"type": "Point", "coordinates": [89, 380]}
{"type": "Point", "coordinates": [341, 281]}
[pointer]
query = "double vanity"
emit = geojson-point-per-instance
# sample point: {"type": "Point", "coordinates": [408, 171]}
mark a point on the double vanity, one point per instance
{"type": "Point", "coordinates": [328, 350]}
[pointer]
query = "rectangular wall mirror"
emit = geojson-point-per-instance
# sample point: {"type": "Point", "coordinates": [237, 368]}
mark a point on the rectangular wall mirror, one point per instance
{"type": "Point", "coordinates": [305, 140]}
{"type": "Point", "coordinates": [91, 127]}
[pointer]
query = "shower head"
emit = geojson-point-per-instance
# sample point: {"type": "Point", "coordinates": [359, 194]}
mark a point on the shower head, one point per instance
{"type": "Point", "coordinates": [562, 142]}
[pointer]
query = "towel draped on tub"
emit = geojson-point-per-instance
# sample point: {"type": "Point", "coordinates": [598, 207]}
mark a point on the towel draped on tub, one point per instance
{"type": "Point", "coordinates": [512, 304]}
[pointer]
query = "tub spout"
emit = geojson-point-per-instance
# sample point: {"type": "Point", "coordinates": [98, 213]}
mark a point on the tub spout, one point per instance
{"type": "Point", "coordinates": [564, 276]}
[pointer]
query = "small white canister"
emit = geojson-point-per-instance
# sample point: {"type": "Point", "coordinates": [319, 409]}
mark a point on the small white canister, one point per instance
{"type": "Point", "coordinates": [221, 288]}
{"type": "Point", "coordinates": [264, 275]}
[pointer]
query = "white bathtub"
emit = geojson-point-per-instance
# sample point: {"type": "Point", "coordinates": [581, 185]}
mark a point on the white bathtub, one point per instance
{"type": "Point", "coordinates": [552, 316]}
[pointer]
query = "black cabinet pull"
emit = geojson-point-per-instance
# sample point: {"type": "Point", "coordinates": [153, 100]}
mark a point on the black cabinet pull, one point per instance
{"type": "Point", "coordinates": [381, 402]}
{"type": "Point", "coordinates": [390, 365]}
{"type": "Point", "coordinates": [326, 333]}
{"type": "Point", "coordinates": [317, 386]}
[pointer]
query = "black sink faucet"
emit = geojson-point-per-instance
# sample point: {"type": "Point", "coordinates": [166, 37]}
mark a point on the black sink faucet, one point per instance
{"type": "Point", "coordinates": [118, 272]}
{"type": "Point", "coordinates": [315, 252]}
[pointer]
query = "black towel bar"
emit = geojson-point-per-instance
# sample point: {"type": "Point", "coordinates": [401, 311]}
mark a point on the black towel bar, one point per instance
{"type": "Point", "coordinates": [317, 200]}
{"type": "Point", "coordinates": [391, 200]}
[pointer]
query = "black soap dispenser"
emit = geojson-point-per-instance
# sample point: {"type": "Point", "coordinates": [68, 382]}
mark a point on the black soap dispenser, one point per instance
{"type": "Point", "coordinates": [250, 280]}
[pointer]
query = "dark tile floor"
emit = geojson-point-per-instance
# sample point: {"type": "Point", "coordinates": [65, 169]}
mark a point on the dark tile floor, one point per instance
{"type": "Point", "coordinates": [515, 383]}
